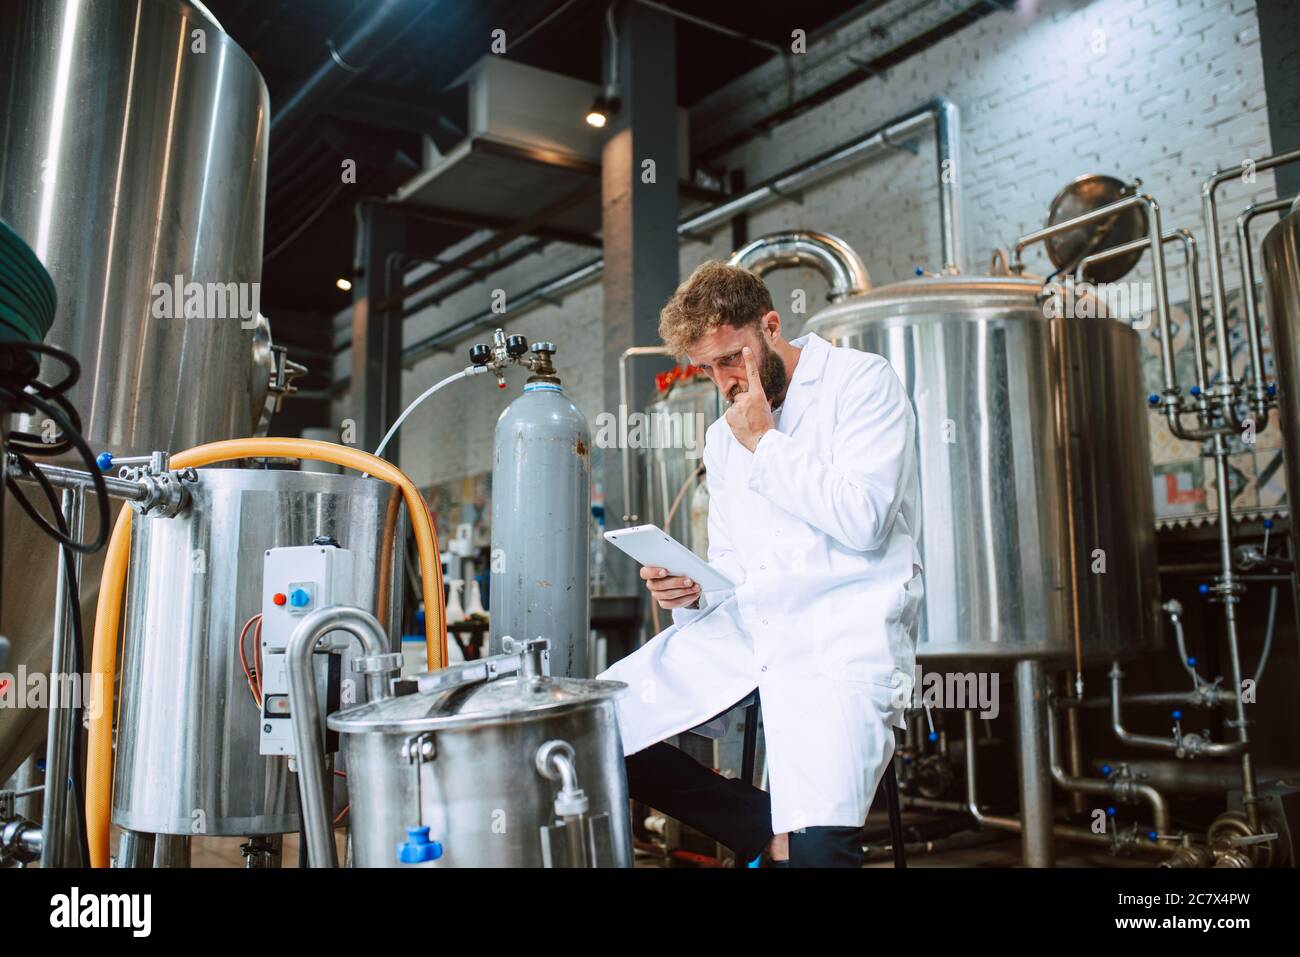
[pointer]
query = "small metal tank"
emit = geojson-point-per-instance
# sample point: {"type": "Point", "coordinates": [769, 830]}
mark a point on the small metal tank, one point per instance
{"type": "Point", "coordinates": [187, 741]}
{"type": "Point", "coordinates": [989, 379]}
{"type": "Point", "coordinates": [1281, 249]}
{"type": "Point", "coordinates": [482, 764]}
{"type": "Point", "coordinates": [541, 522]}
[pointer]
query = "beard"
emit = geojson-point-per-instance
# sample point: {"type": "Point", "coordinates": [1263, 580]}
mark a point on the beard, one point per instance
{"type": "Point", "coordinates": [771, 372]}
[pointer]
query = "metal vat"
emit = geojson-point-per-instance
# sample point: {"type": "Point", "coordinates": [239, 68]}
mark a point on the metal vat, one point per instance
{"type": "Point", "coordinates": [467, 762]}
{"type": "Point", "coordinates": [989, 380]}
{"type": "Point", "coordinates": [187, 741]}
{"type": "Point", "coordinates": [128, 159]}
{"type": "Point", "coordinates": [1281, 250]}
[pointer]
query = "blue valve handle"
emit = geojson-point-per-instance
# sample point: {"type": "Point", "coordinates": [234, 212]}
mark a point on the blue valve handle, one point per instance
{"type": "Point", "coordinates": [418, 848]}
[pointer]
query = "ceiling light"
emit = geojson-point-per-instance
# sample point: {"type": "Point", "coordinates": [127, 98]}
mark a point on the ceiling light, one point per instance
{"type": "Point", "coordinates": [344, 284]}
{"type": "Point", "coordinates": [602, 109]}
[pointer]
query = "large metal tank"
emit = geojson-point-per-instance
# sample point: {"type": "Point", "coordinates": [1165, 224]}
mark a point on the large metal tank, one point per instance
{"type": "Point", "coordinates": [1001, 395]}
{"type": "Point", "coordinates": [979, 359]}
{"type": "Point", "coordinates": [128, 158]}
{"type": "Point", "coordinates": [477, 782]}
{"type": "Point", "coordinates": [541, 525]}
{"type": "Point", "coordinates": [1281, 249]}
{"type": "Point", "coordinates": [187, 741]}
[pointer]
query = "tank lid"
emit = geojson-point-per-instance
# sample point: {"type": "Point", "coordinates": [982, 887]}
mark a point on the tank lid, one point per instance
{"type": "Point", "coordinates": [505, 700]}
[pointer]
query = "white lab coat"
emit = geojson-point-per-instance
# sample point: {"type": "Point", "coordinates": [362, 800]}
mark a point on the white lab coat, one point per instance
{"type": "Point", "coordinates": [819, 527]}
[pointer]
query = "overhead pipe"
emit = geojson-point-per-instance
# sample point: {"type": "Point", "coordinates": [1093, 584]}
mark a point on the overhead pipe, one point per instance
{"type": "Point", "coordinates": [940, 113]}
{"type": "Point", "coordinates": [349, 56]}
{"type": "Point", "coordinates": [829, 255]}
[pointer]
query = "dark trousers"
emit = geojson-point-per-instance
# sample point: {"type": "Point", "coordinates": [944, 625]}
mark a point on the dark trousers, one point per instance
{"type": "Point", "coordinates": [730, 811]}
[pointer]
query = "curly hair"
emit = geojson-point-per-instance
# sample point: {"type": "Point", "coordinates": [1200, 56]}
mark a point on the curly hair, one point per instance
{"type": "Point", "coordinates": [716, 294]}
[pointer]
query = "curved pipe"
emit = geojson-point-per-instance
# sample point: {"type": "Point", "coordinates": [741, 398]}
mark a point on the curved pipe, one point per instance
{"type": "Point", "coordinates": [1121, 789]}
{"type": "Point", "coordinates": [829, 255]}
{"type": "Point", "coordinates": [1218, 298]}
{"type": "Point", "coordinates": [1173, 411]}
{"type": "Point", "coordinates": [1259, 388]}
{"type": "Point", "coordinates": [1171, 743]}
{"type": "Point", "coordinates": [304, 711]}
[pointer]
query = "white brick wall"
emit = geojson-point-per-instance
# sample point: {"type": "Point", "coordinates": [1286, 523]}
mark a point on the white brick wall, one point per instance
{"type": "Point", "coordinates": [1177, 91]}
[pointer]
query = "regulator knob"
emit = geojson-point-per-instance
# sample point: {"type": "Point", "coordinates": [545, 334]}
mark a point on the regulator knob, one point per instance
{"type": "Point", "coordinates": [544, 347]}
{"type": "Point", "coordinates": [516, 346]}
{"type": "Point", "coordinates": [479, 354]}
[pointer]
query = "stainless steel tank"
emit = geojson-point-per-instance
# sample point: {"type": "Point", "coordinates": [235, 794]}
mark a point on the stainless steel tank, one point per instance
{"type": "Point", "coordinates": [541, 525]}
{"type": "Point", "coordinates": [475, 764]}
{"type": "Point", "coordinates": [988, 379]}
{"type": "Point", "coordinates": [678, 419]}
{"type": "Point", "coordinates": [1281, 249]}
{"type": "Point", "coordinates": [128, 158]}
{"type": "Point", "coordinates": [187, 742]}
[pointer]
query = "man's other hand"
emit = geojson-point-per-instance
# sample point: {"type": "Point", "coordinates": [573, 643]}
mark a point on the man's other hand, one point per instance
{"type": "Point", "coordinates": [668, 590]}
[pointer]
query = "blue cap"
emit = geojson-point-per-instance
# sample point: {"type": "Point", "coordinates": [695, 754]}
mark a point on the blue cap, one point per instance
{"type": "Point", "coordinates": [1105, 769]}
{"type": "Point", "coordinates": [1268, 523]}
{"type": "Point", "coordinates": [104, 461]}
{"type": "Point", "coordinates": [1203, 589]}
{"type": "Point", "coordinates": [920, 270]}
{"type": "Point", "coordinates": [300, 598]}
{"type": "Point", "coordinates": [418, 848]}
{"type": "Point", "coordinates": [1178, 715]}
{"type": "Point", "coordinates": [1195, 390]}
{"type": "Point", "coordinates": [1191, 661]}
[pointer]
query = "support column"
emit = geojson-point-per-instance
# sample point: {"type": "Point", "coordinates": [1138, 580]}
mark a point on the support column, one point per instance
{"type": "Point", "coordinates": [376, 391]}
{"type": "Point", "coordinates": [1279, 49]}
{"type": "Point", "coordinates": [1037, 845]}
{"type": "Point", "coordinates": [639, 227]}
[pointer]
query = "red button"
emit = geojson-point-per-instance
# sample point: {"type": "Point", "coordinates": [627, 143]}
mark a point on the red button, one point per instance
{"type": "Point", "coordinates": [278, 598]}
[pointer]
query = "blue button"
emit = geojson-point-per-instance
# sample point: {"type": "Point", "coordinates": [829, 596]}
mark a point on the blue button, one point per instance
{"type": "Point", "coordinates": [300, 598]}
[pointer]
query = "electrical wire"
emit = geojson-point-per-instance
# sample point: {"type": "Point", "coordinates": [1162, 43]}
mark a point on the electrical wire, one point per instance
{"type": "Point", "coordinates": [21, 391]}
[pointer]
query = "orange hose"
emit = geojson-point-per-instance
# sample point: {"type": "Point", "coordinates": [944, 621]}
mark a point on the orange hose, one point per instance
{"type": "Point", "coordinates": [99, 757]}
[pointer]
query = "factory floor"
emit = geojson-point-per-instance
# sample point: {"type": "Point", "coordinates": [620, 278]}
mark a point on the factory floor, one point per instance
{"type": "Point", "coordinates": [1002, 851]}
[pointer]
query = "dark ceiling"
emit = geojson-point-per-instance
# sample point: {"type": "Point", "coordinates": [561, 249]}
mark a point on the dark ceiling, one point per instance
{"type": "Point", "coordinates": [379, 117]}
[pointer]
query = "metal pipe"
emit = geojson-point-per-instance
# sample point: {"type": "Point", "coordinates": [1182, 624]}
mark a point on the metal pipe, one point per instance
{"type": "Point", "coordinates": [304, 708]}
{"type": "Point", "coordinates": [66, 478]}
{"type": "Point", "coordinates": [383, 23]}
{"type": "Point", "coordinates": [1218, 299]}
{"type": "Point", "coordinates": [1183, 744]}
{"type": "Point", "coordinates": [1194, 777]}
{"type": "Point", "coordinates": [1117, 787]}
{"type": "Point", "coordinates": [61, 729]}
{"type": "Point", "coordinates": [1154, 242]}
{"type": "Point", "coordinates": [941, 113]}
{"type": "Point", "coordinates": [135, 849]}
{"type": "Point", "coordinates": [1200, 369]}
{"type": "Point", "coordinates": [1064, 832]}
{"type": "Point", "coordinates": [1261, 397]}
{"type": "Point", "coordinates": [1035, 780]}
{"type": "Point", "coordinates": [1074, 746]}
{"type": "Point", "coordinates": [171, 850]}
{"type": "Point", "coordinates": [624, 399]}
{"type": "Point", "coordinates": [829, 255]}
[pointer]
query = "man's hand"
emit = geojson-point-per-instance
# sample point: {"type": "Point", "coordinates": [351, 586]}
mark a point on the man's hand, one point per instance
{"type": "Point", "coordinates": [750, 414]}
{"type": "Point", "coordinates": [669, 591]}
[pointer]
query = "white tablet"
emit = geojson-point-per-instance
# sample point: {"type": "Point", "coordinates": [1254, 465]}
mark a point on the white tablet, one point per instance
{"type": "Point", "coordinates": [651, 545]}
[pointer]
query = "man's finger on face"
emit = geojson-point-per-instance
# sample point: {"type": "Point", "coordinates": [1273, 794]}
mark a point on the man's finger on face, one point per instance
{"type": "Point", "coordinates": [751, 370]}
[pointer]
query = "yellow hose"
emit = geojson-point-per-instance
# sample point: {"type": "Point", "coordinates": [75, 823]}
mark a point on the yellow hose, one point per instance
{"type": "Point", "coordinates": [99, 756]}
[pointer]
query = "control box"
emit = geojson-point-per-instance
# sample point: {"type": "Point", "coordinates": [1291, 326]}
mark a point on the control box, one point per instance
{"type": "Point", "coordinates": [295, 581]}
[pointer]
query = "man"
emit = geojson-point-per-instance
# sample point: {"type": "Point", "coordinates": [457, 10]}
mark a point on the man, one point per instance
{"type": "Point", "coordinates": [812, 512]}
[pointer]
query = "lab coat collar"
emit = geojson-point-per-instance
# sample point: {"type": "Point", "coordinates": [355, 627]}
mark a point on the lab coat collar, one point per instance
{"type": "Point", "coordinates": [802, 392]}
